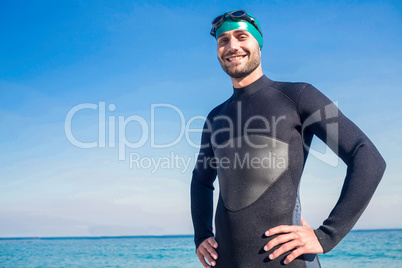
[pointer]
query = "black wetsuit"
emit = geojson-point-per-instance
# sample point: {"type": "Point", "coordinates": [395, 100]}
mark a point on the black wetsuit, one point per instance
{"type": "Point", "coordinates": [257, 143]}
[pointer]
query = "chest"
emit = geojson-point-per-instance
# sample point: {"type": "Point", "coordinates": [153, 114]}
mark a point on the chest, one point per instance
{"type": "Point", "coordinates": [267, 114]}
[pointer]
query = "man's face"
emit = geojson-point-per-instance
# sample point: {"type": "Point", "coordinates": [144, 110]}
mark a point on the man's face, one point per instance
{"type": "Point", "coordinates": [238, 53]}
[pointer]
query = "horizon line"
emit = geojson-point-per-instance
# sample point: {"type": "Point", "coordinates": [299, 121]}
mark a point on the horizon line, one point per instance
{"type": "Point", "coordinates": [143, 236]}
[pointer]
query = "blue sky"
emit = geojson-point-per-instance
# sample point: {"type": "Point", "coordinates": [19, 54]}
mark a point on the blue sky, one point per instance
{"type": "Point", "coordinates": [56, 55]}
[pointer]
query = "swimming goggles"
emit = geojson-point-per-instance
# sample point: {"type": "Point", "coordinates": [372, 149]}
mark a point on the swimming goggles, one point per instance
{"type": "Point", "coordinates": [235, 15]}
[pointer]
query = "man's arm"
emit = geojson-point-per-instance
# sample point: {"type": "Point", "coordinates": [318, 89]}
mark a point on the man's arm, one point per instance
{"type": "Point", "coordinates": [202, 188]}
{"type": "Point", "coordinates": [202, 213]}
{"type": "Point", "coordinates": [365, 168]}
{"type": "Point", "coordinates": [201, 210]}
{"type": "Point", "coordinates": [365, 165]}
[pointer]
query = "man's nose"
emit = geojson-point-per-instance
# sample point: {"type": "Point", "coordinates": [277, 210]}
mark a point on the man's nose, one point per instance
{"type": "Point", "coordinates": [233, 44]}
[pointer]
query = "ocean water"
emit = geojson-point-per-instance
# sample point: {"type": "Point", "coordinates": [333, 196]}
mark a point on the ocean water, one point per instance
{"type": "Point", "coordinates": [373, 248]}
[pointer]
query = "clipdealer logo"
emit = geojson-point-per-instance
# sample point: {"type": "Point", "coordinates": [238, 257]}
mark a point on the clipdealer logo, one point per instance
{"type": "Point", "coordinates": [118, 124]}
{"type": "Point", "coordinates": [112, 133]}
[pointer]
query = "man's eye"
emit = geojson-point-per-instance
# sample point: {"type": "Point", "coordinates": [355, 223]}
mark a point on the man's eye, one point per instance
{"type": "Point", "coordinates": [243, 37]}
{"type": "Point", "coordinates": [223, 41]}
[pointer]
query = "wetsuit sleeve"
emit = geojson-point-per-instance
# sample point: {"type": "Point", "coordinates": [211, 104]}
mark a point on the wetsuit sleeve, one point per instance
{"type": "Point", "coordinates": [365, 166]}
{"type": "Point", "coordinates": [202, 188]}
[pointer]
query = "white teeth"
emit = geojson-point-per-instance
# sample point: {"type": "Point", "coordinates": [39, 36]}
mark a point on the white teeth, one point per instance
{"type": "Point", "coordinates": [235, 58]}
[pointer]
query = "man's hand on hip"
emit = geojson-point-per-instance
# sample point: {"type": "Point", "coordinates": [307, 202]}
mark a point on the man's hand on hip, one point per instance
{"type": "Point", "coordinates": [206, 250]}
{"type": "Point", "coordinates": [297, 239]}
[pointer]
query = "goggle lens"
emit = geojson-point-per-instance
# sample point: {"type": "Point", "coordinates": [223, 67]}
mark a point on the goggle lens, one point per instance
{"type": "Point", "coordinates": [238, 13]}
{"type": "Point", "coordinates": [217, 19]}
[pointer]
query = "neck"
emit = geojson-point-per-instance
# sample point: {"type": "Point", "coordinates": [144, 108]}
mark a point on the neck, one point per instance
{"type": "Point", "coordinates": [249, 79]}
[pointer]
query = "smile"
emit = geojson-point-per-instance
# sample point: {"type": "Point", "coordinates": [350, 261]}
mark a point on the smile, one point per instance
{"type": "Point", "coordinates": [235, 58]}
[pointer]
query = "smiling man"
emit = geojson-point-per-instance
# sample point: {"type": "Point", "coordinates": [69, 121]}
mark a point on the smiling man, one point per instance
{"type": "Point", "coordinates": [257, 143]}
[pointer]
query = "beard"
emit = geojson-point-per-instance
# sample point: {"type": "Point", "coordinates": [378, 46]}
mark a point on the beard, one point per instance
{"type": "Point", "coordinates": [235, 71]}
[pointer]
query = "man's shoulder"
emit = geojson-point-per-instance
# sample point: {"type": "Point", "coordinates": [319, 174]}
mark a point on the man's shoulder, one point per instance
{"type": "Point", "coordinates": [280, 85]}
{"type": "Point", "coordinates": [292, 90]}
{"type": "Point", "coordinates": [215, 111]}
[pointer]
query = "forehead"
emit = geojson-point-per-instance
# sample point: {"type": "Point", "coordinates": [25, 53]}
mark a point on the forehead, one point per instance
{"type": "Point", "coordinates": [234, 32]}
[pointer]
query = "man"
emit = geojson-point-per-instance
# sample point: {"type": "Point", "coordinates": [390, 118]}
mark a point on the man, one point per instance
{"type": "Point", "coordinates": [257, 143]}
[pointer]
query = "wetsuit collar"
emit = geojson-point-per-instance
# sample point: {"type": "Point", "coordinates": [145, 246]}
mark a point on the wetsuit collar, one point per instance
{"type": "Point", "coordinates": [245, 92]}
